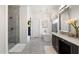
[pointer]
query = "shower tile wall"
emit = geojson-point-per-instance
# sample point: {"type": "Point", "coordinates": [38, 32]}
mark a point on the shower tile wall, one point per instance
{"type": "Point", "coordinates": [13, 24]}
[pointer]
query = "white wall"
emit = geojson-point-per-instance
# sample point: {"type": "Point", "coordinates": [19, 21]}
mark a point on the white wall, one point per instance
{"type": "Point", "coordinates": [3, 29]}
{"type": "Point", "coordinates": [41, 15]}
{"type": "Point", "coordinates": [35, 21]}
{"type": "Point", "coordinates": [74, 13]}
{"type": "Point", "coordinates": [23, 24]}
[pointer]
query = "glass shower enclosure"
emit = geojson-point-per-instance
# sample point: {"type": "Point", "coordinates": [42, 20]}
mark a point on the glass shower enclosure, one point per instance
{"type": "Point", "coordinates": [13, 25]}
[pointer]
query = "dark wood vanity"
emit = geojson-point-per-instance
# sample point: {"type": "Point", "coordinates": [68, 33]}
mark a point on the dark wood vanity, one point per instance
{"type": "Point", "coordinates": [64, 44]}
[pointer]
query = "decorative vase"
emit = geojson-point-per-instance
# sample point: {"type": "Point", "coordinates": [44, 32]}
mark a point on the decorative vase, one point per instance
{"type": "Point", "coordinates": [76, 33]}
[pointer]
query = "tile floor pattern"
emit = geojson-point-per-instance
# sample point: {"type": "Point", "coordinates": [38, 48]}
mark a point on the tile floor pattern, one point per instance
{"type": "Point", "coordinates": [35, 46]}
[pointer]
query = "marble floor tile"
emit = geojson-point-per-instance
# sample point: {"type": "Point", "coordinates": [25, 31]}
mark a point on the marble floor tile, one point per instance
{"type": "Point", "coordinates": [36, 46]}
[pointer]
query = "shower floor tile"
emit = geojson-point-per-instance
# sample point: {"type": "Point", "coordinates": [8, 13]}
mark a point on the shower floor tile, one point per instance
{"type": "Point", "coordinates": [10, 45]}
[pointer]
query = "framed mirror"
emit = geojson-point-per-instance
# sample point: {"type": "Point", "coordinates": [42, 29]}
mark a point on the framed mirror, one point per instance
{"type": "Point", "coordinates": [64, 15]}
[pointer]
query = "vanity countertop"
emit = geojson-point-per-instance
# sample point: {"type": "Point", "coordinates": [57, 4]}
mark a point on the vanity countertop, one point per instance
{"type": "Point", "coordinates": [67, 38]}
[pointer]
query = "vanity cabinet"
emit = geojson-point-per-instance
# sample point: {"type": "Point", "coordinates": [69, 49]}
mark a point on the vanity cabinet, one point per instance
{"type": "Point", "coordinates": [64, 47]}
{"type": "Point", "coordinates": [55, 42]}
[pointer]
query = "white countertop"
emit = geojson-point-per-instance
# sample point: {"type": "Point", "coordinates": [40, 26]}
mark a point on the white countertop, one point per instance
{"type": "Point", "coordinates": [67, 38]}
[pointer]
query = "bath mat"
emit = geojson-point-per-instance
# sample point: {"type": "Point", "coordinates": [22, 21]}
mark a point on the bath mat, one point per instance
{"type": "Point", "coordinates": [18, 48]}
